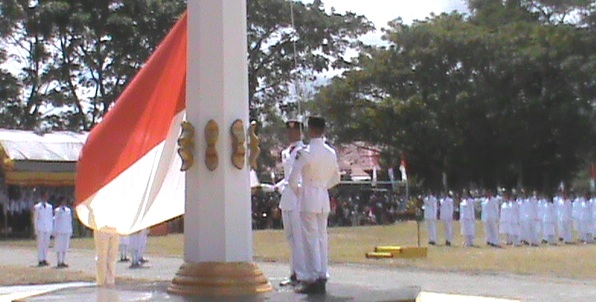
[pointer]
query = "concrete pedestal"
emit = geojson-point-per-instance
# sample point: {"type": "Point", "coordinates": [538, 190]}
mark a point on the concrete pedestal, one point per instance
{"type": "Point", "coordinates": [217, 222]}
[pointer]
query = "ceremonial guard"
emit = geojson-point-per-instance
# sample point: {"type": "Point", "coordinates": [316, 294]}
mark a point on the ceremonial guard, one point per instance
{"type": "Point", "coordinates": [514, 221]}
{"type": "Point", "coordinates": [62, 232]}
{"type": "Point", "coordinates": [290, 213]}
{"type": "Point", "coordinates": [430, 215]}
{"type": "Point", "coordinates": [446, 215]}
{"type": "Point", "coordinates": [123, 248]}
{"type": "Point", "coordinates": [586, 220]}
{"type": "Point", "coordinates": [314, 172]}
{"type": "Point", "coordinates": [134, 246]}
{"type": "Point", "coordinates": [490, 219]}
{"type": "Point", "coordinates": [43, 224]}
{"type": "Point", "coordinates": [549, 221]}
{"type": "Point", "coordinates": [565, 215]}
{"type": "Point", "coordinates": [505, 220]}
{"type": "Point", "coordinates": [467, 219]}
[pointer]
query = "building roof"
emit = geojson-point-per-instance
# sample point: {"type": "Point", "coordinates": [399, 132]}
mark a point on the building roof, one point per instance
{"type": "Point", "coordinates": [59, 146]}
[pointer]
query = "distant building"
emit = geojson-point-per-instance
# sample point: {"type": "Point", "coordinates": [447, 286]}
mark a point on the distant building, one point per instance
{"type": "Point", "coordinates": [31, 163]}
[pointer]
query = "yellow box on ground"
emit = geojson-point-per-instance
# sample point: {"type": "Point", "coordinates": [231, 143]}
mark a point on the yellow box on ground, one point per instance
{"type": "Point", "coordinates": [377, 255]}
{"type": "Point", "coordinates": [403, 251]}
{"type": "Point", "coordinates": [388, 249]}
{"type": "Point", "coordinates": [413, 252]}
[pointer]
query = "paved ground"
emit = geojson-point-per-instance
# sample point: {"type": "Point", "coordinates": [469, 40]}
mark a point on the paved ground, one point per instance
{"type": "Point", "coordinates": [373, 279]}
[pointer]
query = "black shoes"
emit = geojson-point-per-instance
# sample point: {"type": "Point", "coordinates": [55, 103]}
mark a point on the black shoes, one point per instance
{"type": "Point", "coordinates": [448, 243]}
{"type": "Point", "coordinates": [42, 263]}
{"type": "Point", "coordinates": [432, 243]}
{"type": "Point", "coordinates": [124, 260]}
{"type": "Point", "coordinates": [314, 288]}
{"type": "Point", "coordinates": [289, 281]}
{"type": "Point", "coordinates": [62, 265]}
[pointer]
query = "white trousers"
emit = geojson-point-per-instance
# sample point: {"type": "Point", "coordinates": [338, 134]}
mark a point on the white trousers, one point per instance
{"type": "Point", "coordinates": [491, 231]}
{"type": "Point", "coordinates": [43, 245]}
{"type": "Point", "coordinates": [314, 226]}
{"type": "Point", "coordinates": [293, 232]}
{"type": "Point", "coordinates": [532, 236]}
{"type": "Point", "coordinates": [431, 226]}
{"type": "Point", "coordinates": [566, 233]}
{"type": "Point", "coordinates": [61, 245]}
{"type": "Point", "coordinates": [106, 249]}
{"type": "Point", "coordinates": [448, 226]}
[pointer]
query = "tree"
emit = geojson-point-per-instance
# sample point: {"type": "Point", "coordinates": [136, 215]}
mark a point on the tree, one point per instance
{"type": "Point", "coordinates": [499, 98]}
{"type": "Point", "coordinates": [79, 55]}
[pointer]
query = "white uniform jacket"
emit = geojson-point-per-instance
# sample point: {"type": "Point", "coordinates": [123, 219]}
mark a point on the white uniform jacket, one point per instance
{"type": "Point", "coordinates": [43, 217]}
{"type": "Point", "coordinates": [316, 179]}
{"type": "Point", "coordinates": [446, 209]}
{"type": "Point", "coordinates": [62, 221]}
{"type": "Point", "coordinates": [430, 207]}
{"type": "Point", "coordinates": [289, 200]}
{"type": "Point", "coordinates": [490, 209]}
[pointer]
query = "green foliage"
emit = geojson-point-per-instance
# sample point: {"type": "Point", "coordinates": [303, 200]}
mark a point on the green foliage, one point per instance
{"type": "Point", "coordinates": [499, 98]}
{"type": "Point", "coordinates": [78, 55]}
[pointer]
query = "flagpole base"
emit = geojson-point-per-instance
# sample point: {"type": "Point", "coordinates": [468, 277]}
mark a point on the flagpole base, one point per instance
{"type": "Point", "coordinates": [217, 279]}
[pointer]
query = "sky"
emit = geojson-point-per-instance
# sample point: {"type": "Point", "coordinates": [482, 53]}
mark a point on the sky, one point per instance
{"type": "Point", "coordinates": [382, 11]}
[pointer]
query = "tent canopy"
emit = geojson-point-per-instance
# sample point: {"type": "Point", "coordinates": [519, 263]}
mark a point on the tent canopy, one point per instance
{"type": "Point", "coordinates": [20, 145]}
{"type": "Point", "coordinates": [29, 159]}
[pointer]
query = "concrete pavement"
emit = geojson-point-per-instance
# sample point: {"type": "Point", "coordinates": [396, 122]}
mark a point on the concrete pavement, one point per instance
{"type": "Point", "coordinates": [361, 277]}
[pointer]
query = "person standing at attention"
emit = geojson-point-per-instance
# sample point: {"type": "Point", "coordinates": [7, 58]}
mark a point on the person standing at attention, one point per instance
{"type": "Point", "coordinates": [288, 204]}
{"type": "Point", "coordinates": [62, 232]}
{"type": "Point", "coordinates": [43, 224]}
{"type": "Point", "coordinates": [314, 172]}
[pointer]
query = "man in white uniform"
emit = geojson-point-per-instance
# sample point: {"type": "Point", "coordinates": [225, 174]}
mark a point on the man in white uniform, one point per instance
{"type": "Point", "coordinates": [585, 220]}
{"type": "Point", "coordinates": [288, 204]}
{"type": "Point", "coordinates": [314, 172]}
{"type": "Point", "coordinates": [446, 215]}
{"type": "Point", "coordinates": [505, 220]}
{"type": "Point", "coordinates": [514, 221]}
{"type": "Point", "coordinates": [430, 215]}
{"type": "Point", "coordinates": [467, 219]}
{"type": "Point", "coordinates": [123, 248]}
{"type": "Point", "coordinates": [134, 246]}
{"type": "Point", "coordinates": [533, 219]}
{"type": "Point", "coordinates": [143, 245]}
{"type": "Point", "coordinates": [566, 217]}
{"type": "Point", "coordinates": [106, 249]}
{"type": "Point", "coordinates": [62, 232]}
{"type": "Point", "coordinates": [490, 219]}
{"type": "Point", "coordinates": [43, 221]}
{"type": "Point", "coordinates": [549, 222]}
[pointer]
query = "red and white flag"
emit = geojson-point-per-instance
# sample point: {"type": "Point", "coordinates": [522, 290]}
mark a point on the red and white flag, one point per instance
{"type": "Point", "coordinates": [128, 175]}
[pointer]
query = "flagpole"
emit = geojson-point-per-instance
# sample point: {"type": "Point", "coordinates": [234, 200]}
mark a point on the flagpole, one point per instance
{"type": "Point", "coordinates": [218, 255]}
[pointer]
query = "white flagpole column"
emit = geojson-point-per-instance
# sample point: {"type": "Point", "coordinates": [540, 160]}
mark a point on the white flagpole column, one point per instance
{"type": "Point", "coordinates": [217, 222]}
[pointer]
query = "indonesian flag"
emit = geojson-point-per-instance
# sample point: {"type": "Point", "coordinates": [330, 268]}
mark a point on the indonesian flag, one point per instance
{"type": "Point", "coordinates": [128, 175]}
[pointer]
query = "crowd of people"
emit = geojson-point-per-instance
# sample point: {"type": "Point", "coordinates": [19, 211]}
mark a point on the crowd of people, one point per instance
{"type": "Point", "coordinates": [349, 207]}
{"type": "Point", "coordinates": [513, 218]}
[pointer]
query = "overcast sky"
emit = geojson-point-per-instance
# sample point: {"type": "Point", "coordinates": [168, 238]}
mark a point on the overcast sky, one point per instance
{"type": "Point", "coordinates": [382, 11]}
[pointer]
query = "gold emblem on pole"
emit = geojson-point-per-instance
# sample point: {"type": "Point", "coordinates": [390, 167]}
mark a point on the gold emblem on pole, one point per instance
{"type": "Point", "coordinates": [253, 145]}
{"type": "Point", "coordinates": [186, 145]}
{"type": "Point", "coordinates": [238, 147]}
{"type": "Point", "coordinates": [211, 136]}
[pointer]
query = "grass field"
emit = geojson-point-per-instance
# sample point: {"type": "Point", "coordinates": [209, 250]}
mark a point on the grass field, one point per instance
{"type": "Point", "coordinates": [348, 245]}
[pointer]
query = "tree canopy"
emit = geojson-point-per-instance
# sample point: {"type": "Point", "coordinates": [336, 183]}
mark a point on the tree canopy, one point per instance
{"type": "Point", "coordinates": [502, 97]}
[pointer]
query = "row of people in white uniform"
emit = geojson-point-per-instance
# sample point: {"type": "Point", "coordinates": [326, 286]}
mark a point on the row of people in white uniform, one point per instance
{"type": "Point", "coordinates": [52, 222]}
{"type": "Point", "coordinates": [520, 220]}
{"type": "Point", "coordinates": [135, 244]}
{"type": "Point", "coordinates": [309, 172]}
